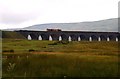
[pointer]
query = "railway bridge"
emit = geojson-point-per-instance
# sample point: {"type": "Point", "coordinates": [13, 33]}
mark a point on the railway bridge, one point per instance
{"type": "Point", "coordinates": [70, 35]}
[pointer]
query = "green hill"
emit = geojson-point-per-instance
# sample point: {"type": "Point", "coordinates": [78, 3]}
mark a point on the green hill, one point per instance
{"type": "Point", "coordinates": [12, 35]}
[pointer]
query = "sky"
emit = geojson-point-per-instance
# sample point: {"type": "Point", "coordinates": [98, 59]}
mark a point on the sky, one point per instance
{"type": "Point", "coordinates": [24, 13]}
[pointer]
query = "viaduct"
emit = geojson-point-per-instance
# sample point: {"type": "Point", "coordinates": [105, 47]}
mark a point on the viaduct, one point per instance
{"type": "Point", "coordinates": [70, 35]}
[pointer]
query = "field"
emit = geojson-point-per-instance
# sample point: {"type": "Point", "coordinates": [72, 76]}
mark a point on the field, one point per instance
{"type": "Point", "coordinates": [34, 58]}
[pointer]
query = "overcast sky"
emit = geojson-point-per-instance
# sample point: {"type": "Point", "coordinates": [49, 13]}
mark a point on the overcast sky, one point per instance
{"type": "Point", "coordinates": [23, 13]}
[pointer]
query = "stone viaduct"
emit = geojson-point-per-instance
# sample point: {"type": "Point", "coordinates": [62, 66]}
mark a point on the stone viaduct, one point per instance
{"type": "Point", "coordinates": [70, 35]}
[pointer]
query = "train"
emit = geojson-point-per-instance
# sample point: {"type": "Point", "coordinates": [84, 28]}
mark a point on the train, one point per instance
{"type": "Point", "coordinates": [54, 30]}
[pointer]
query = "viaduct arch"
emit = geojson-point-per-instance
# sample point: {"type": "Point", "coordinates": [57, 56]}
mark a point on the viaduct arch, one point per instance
{"type": "Point", "coordinates": [71, 35]}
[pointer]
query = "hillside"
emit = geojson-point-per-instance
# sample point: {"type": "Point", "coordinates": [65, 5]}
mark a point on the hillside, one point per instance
{"type": "Point", "coordinates": [109, 25]}
{"type": "Point", "coordinates": [12, 35]}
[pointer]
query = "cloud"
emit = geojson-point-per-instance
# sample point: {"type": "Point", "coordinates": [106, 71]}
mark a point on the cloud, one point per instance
{"type": "Point", "coordinates": [13, 18]}
{"type": "Point", "coordinates": [19, 11]}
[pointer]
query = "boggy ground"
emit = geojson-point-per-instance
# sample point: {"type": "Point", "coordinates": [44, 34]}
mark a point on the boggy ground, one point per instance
{"type": "Point", "coordinates": [23, 58]}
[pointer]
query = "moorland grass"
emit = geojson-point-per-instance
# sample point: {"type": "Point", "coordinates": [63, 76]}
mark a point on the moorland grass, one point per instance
{"type": "Point", "coordinates": [72, 59]}
{"type": "Point", "coordinates": [59, 65]}
{"type": "Point", "coordinates": [48, 46]}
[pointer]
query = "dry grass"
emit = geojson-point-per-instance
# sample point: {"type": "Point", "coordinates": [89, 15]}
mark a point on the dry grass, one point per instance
{"type": "Point", "coordinates": [75, 59]}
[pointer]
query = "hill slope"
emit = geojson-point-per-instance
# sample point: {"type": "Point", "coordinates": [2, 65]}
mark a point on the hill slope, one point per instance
{"type": "Point", "coordinates": [12, 35]}
{"type": "Point", "coordinates": [109, 25]}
